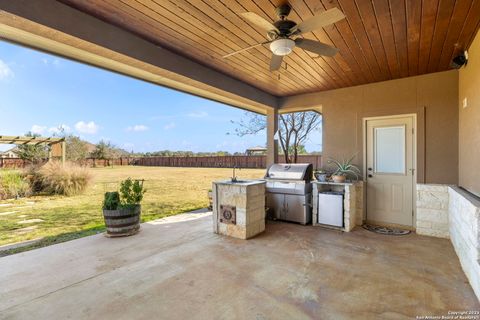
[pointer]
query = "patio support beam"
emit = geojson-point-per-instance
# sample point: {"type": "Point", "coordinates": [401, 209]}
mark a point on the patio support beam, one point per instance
{"type": "Point", "coordinates": [302, 102]}
{"type": "Point", "coordinates": [54, 27]}
{"type": "Point", "coordinates": [272, 142]}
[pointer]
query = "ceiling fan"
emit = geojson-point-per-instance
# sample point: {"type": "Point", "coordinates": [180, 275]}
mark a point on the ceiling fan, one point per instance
{"type": "Point", "coordinates": [285, 34]}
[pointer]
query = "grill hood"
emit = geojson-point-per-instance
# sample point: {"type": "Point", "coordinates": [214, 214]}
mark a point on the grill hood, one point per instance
{"type": "Point", "coordinates": [290, 171]}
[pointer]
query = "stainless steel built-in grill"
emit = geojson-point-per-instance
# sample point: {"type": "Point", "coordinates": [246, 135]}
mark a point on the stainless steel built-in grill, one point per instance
{"type": "Point", "coordinates": [289, 191]}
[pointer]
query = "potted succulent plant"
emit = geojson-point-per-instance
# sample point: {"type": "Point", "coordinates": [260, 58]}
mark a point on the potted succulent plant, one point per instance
{"type": "Point", "coordinates": [320, 175]}
{"type": "Point", "coordinates": [343, 169]}
{"type": "Point", "coordinates": [121, 210]}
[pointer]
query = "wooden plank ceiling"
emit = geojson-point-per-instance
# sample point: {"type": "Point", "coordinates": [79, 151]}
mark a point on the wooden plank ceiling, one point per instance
{"type": "Point", "coordinates": [379, 40]}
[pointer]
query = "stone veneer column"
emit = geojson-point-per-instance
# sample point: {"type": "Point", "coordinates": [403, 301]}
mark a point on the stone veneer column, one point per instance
{"type": "Point", "coordinates": [432, 210]}
{"type": "Point", "coordinates": [249, 201]}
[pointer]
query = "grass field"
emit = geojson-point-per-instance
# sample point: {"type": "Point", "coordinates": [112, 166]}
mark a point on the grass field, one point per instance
{"type": "Point", "coordinates": [56, 218]}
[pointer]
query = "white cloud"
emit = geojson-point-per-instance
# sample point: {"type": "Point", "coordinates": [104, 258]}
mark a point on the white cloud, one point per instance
{"type": "Point", "coordinates": [5, 71]}
{"type": "Point", "coordinates": [137, 128]}
{"type": "Point", "coordinates": [169, 126]}
{"type": "Point", "coordinates": [87, 127]}
{"type": "Point", "coordinates": [200, 114]}
{"type": "Point", "coordinates": [61, 128]}
{"type": "Point", "coordinates": [54, 62]}
{"type": "Point", "coordinates": [36, 129]}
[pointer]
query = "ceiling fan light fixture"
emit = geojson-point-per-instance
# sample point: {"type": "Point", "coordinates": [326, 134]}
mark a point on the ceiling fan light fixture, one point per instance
{"type": "Point", "coordinates": [282, 47]}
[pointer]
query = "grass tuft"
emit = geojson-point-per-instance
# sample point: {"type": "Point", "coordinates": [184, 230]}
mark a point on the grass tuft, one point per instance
{"type": "Point", "coordinates": [13, 185]}
{"type": "Point", "coordinates": [69, 179]}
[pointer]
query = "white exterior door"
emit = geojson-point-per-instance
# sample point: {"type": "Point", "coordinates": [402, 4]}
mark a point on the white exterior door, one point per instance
{"type": "Point", "coordinates": [390, 168]}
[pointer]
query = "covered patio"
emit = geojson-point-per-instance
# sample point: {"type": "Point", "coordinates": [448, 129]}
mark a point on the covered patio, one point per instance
{"type": "Point", "coordinates": [411, 67]}
{"type": "Point", "coordinates": [177, 268]}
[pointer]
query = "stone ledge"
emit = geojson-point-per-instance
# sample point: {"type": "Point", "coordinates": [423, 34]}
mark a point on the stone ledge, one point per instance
{"type": "Point", "coordinates": [432, 187]}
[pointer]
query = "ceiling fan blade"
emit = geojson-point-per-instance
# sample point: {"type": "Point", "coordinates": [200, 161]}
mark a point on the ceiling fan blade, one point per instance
{"type": "Point", "coordinates": [316, 47]}
{"type": "Point", "coordinates": [245, 49]}
{"type": "Point", "coordinates": [319, 21]}
{"type": "Point", "coordinates": [259, 21]}
{"type": "Point", "coordinates": [276, 62]}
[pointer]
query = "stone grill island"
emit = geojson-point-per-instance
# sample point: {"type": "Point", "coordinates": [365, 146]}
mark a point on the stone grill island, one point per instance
{"type": "Point", "coordinates": [239, 208]}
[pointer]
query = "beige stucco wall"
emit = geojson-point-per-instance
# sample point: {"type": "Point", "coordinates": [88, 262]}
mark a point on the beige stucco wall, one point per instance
{"type": "Point", "coordinates": [469, 119]}
{"type": "Point", "coordinates": [432, 97]}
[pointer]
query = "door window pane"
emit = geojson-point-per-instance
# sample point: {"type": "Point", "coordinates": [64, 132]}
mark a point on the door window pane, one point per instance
{"type": "Point", "coordinates": [390, 149]}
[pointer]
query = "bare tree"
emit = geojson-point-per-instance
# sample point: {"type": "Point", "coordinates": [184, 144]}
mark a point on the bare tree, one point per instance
{"type": "Point", "coordinates": [293, 130]}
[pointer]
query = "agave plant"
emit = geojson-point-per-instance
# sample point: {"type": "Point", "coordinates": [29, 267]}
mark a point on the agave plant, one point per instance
{"type": "Point", "coordinates": [345, 167]}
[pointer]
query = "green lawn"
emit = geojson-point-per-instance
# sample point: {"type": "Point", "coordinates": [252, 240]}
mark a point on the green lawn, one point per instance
{"type": "Point", "coordinates": [56, 218]}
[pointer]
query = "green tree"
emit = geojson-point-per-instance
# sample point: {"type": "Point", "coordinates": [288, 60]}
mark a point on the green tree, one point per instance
{"type": "Point", "coordinates": [103, 150]}
{"type": "Point", "coordinates": [76, 148]}
{"type": "Point", "coordinates": [32, 152]}
{"type": "Point", "coordinates": [300, 149]}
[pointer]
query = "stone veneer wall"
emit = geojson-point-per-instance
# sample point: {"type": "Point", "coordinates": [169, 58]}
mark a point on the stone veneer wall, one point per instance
{"type": "Point", "coordinates": [451, 212]}
{"type": "Point", "coordinates": [464, 221]}
{"type": "Point", "coordinates": [432, 210]}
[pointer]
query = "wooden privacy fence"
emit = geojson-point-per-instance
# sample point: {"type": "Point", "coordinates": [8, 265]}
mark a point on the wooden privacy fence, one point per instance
{"type": "Point", "coordinates": [201, 162]}
{"type": "Point", "coordinates": [14, 163]}
{"type": "Point", "coordinates": [90, 162]}
{"type": "Point", "coordinates": [220, 161]}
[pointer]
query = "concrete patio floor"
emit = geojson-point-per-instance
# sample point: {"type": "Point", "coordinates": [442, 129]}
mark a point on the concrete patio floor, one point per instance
{"type": "Point", "coordinates": [178, 269]}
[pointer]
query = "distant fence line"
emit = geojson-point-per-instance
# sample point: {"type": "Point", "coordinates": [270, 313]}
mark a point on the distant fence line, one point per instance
{"type": "Point", "coordinates": [220, 161]}
{"type": "Point", "coordinates": [201, 162]}
{"type": "Point", "coordinates": [14, 163]}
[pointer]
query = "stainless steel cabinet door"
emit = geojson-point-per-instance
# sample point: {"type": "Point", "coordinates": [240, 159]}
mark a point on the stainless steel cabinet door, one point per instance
{"type": "Point", "coordinates": [295, 208]}
{"type": "Point", "coordinates": [277, 204]}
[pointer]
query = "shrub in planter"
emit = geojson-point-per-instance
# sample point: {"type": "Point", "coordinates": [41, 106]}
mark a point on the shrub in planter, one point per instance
{"type": "Point", "coordinates": [121, 210]}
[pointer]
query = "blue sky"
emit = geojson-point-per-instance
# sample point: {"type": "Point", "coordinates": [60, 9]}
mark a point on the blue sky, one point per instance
{"type": "Point", "coordinates": [40, 92]}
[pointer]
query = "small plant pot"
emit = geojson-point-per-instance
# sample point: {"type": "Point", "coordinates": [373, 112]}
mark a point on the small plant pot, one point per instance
{"type": "Point", "coordinates": [322, 177]}
{"type": "Point", "coordinates": [339, 179]}
{"type": "Point", "coordinates": [210, 200]}
{"type": "Point", "coordinates": [122, 222]}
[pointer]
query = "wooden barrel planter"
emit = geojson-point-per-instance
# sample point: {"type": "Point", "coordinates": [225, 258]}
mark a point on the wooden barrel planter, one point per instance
{"type": "Point", "coordinates": [122, 222]}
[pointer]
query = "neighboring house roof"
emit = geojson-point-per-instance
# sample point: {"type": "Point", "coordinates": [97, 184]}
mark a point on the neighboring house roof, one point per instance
{"type": "Point", "coordinates": [258, 148]}
{"type": "Point", "coordinates": [10, 153]}
{"type": "Point", "coordinates": [90, 147]}
{"type": "Point", "coordinates": [12, 150]}
{"type": "Point", "coordinates": [256, 151]}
